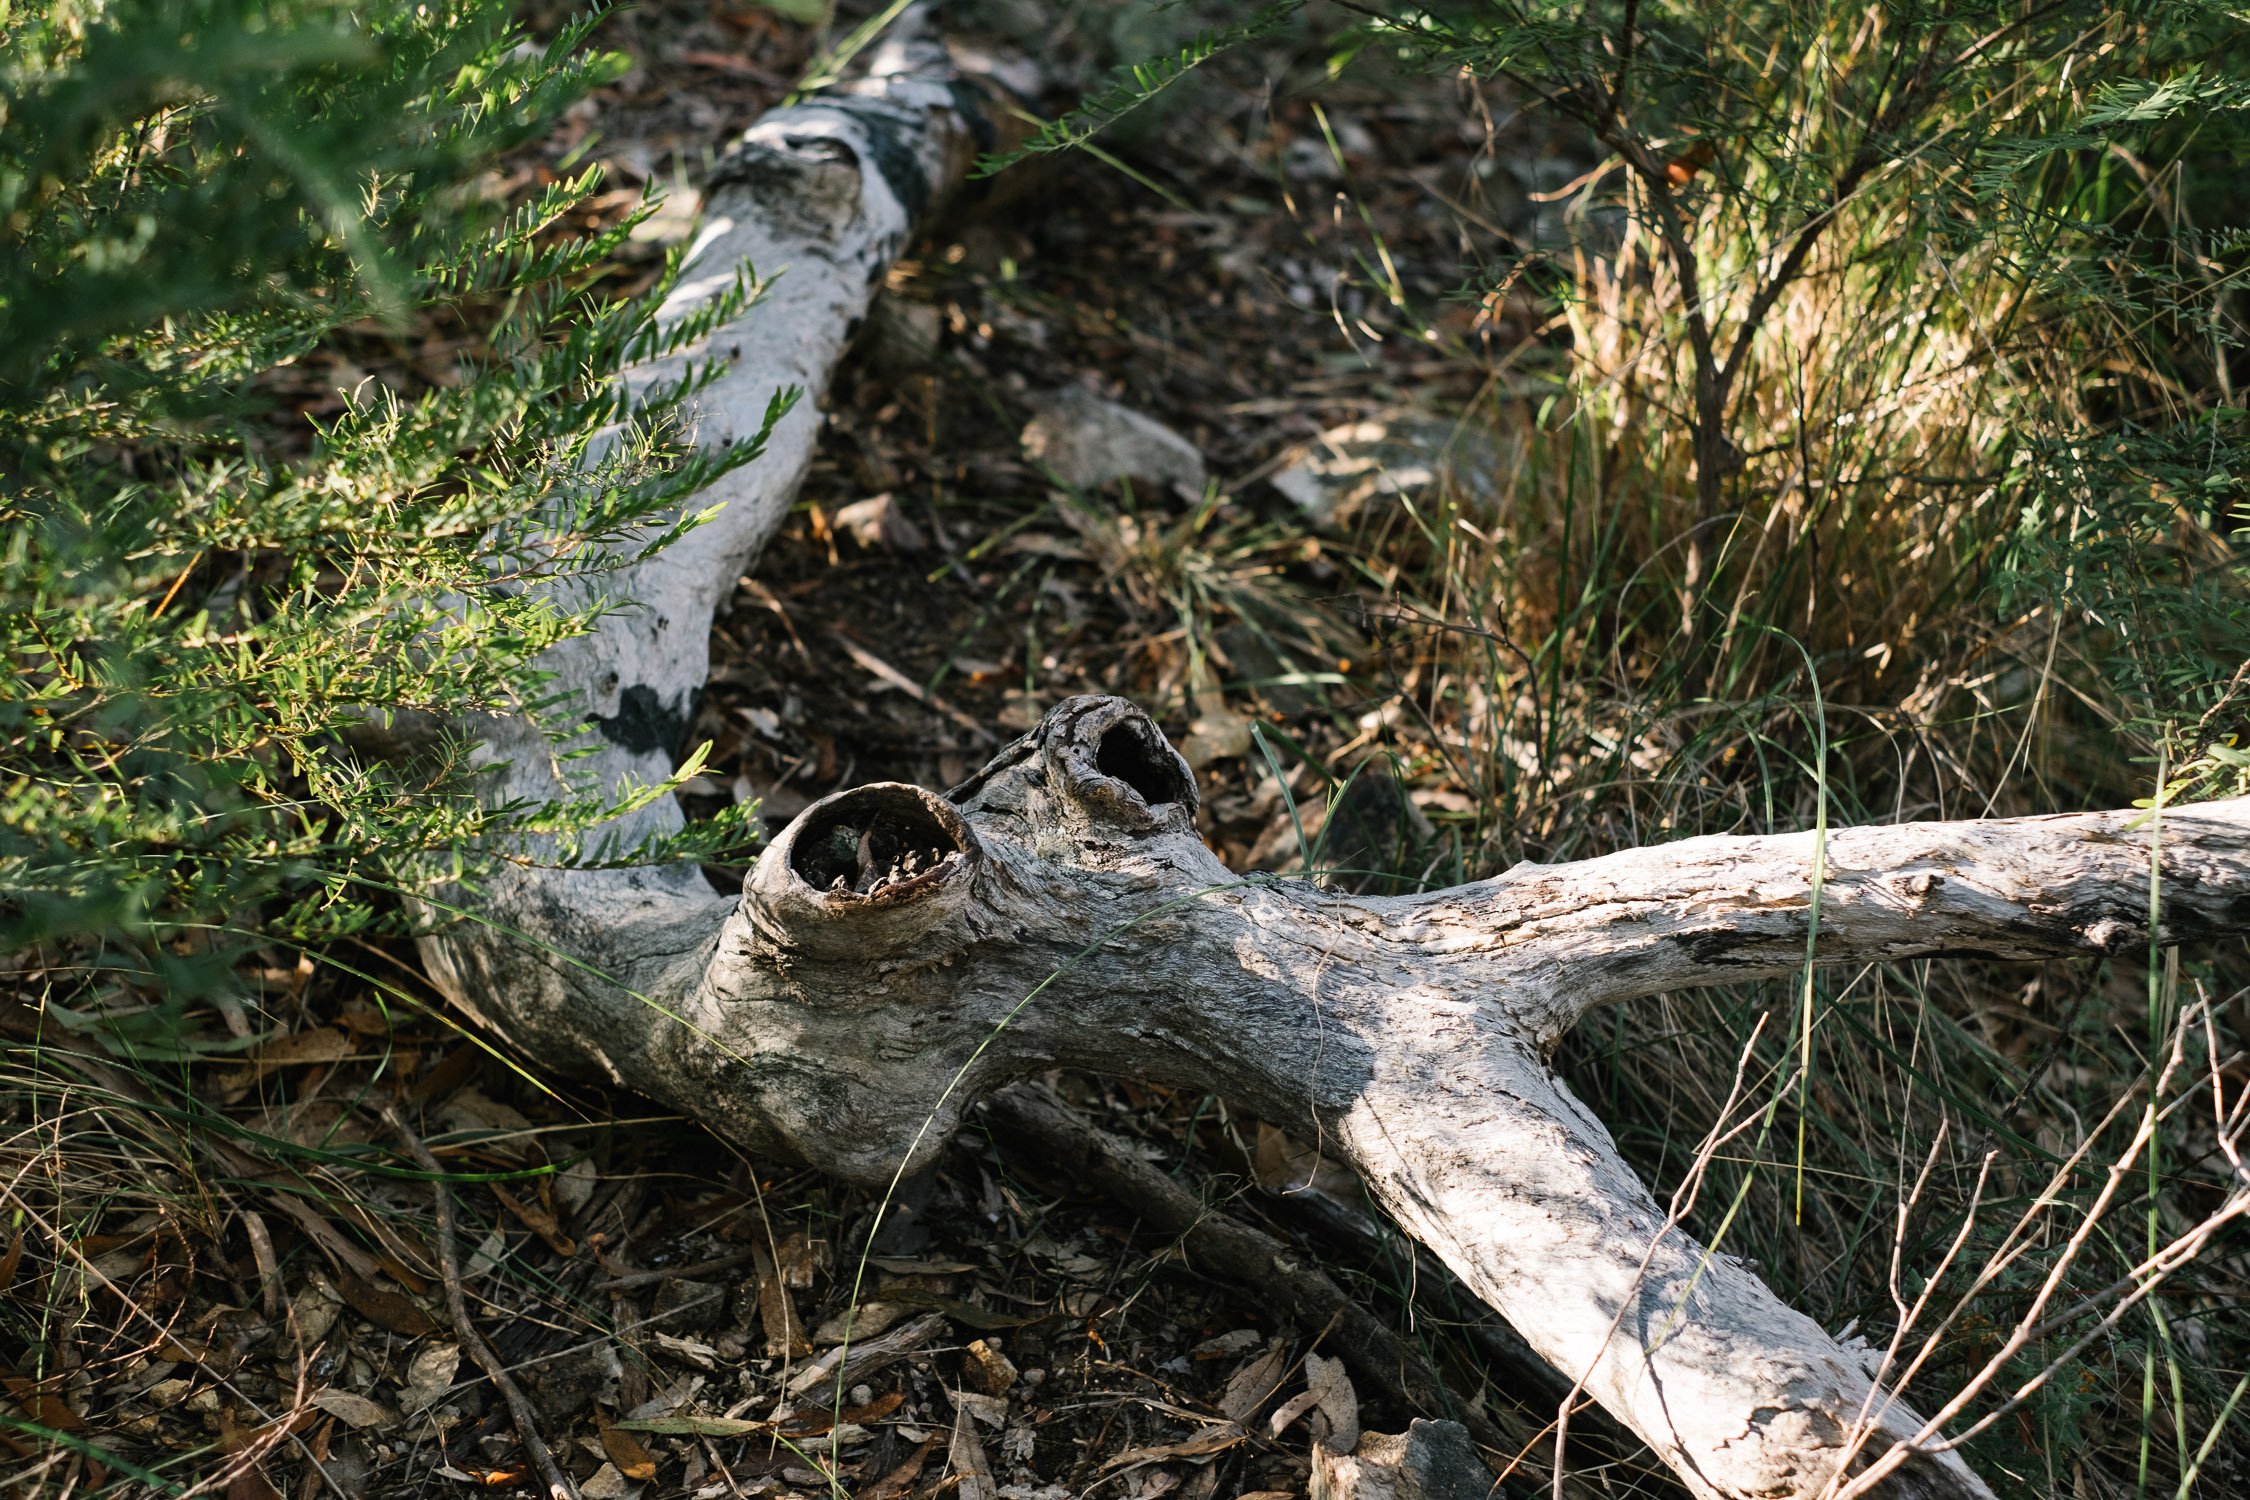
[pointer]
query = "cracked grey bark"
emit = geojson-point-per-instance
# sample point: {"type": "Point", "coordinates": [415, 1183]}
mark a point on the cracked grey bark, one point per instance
{"type": "Point", "coordinates": [1062, 912]}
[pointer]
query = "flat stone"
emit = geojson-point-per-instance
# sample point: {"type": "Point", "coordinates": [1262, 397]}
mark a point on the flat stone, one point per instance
{"type": "Point", "coordinates": [1402, 455]}
{"type": "Point", "coordinates": [608, 1483]}
{"type": "Point", "coordinates": [1088, 442]}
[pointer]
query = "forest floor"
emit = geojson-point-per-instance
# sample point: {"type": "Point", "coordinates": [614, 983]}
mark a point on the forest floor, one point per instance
{"type": "Point", "coordinates": [1277, 267]}
{"type": "Point", "coordinates": [666, 1302]}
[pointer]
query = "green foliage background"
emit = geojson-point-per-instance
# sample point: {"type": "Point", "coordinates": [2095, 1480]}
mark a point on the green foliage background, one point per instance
{"type": "Point", "coordinates": [205, 598]}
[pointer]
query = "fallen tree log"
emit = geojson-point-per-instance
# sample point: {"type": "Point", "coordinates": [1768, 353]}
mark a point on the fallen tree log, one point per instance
{"type": "Point", "coordinates": [897, 951]}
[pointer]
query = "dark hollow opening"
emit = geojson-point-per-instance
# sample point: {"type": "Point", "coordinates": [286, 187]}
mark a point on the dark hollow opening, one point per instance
{"type": "Point", "coordinates": [1126, 755]}
{"type": "Point", "coordinates": [870, 841]}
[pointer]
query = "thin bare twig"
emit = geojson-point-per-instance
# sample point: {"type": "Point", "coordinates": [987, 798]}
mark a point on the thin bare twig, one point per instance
{"type": "Point", "coordinates": [2125, 1293]}
{"type": "Point", "coordinates": [695, 1272]}
{"type": "Point", "coordinates": [520, 1413]}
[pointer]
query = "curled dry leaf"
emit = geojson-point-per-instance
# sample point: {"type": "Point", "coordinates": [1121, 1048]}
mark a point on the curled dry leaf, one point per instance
{"type": "Point", "coordinates": [42, 1405]}
{"type": "Point", "coordinates": [392, 1310]}
{"type": "Point", "coordinates": [355, 1410]}
{"type": "Point", "coordinates": [1202, 1443]}
{"type": "Point", "coordinates": [1254, 1384]}
{"type": "Point", "coordinates": [429, 1376]}
{"type": "Point", "coordinates": [314, 1310]}
{"type": "Point", "coordinates": [992, 1411]}
{"type": "Point", "coordinates": [695, 1352]}
{"type": "Point", "coordinates": [1329, 1390]}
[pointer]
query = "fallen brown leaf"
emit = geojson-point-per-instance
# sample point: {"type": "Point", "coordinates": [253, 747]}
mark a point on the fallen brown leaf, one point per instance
{"type": "Point", "coordinates": [1216, 1438]}
{"type": "Point", "coordinates": [901, 1479]}
{"type": "Point", "coordinates": [1330, 1389]}
{"type": "Point", "coordinates": [456, 1069]}
{"type": "Point", "coordinates": [354, 1410]}
{"type": "Point", "coordinates": [391, 1310]}
{"type": "Point", "coordinates": [251, 1484]}
{"type": "Point", "coordinates": [1253, 1385]}
{"type": "Point", "coordinates": [326, 1045]}
{"type": "Point", "coordinates": [633, 1461]}
{"type": "Point", "coordinates": [42, 1406]}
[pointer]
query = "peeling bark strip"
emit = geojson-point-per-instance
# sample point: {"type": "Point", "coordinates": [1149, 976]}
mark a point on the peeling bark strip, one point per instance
{"type": "Point", "coordinates": [896, 951]}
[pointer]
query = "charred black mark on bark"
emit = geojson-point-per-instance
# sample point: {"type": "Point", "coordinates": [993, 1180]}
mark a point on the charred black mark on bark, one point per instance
{"type": "Point", "coordinates": [896, 160]}
{"type": "Point", "coordinates": [644, 724]}
{"type": "Point", "coordinates": [1725, 947]}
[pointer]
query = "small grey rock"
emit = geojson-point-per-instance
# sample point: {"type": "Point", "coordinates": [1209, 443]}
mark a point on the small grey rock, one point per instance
{"type": "Point", "coordinates": [1088, 442]}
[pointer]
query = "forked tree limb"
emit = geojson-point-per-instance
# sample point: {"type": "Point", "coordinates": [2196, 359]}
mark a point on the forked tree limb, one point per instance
{"type": "Point", "coordinates": [896, 951]}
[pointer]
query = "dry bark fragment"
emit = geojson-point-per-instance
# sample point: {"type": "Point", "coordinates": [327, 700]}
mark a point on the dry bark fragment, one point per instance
{"type": "Point", "coordinates": [1428, 1461]}
{"type": "Point", "coordinates": [777, 1312]}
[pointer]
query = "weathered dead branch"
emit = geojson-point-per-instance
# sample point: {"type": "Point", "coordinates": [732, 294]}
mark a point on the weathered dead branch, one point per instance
{"type": "Point", "coordinates": [896, 952]}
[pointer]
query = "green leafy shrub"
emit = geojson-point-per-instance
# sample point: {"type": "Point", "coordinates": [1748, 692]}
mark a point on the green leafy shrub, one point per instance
{"type": "Point", "coordinates": [1891, 316]}
{"type": "Point", "coordinates": [213, 572]}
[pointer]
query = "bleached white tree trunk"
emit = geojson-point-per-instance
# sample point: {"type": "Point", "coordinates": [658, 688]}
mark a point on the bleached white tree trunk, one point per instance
{"type": "Point", "coordinates": [896, 950]}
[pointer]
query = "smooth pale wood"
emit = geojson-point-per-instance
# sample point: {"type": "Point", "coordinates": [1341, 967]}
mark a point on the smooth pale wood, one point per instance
{"type": "Point", "coordinates": [817, 199]}
{"type": "Point", "coordinates": [1070, 916]}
